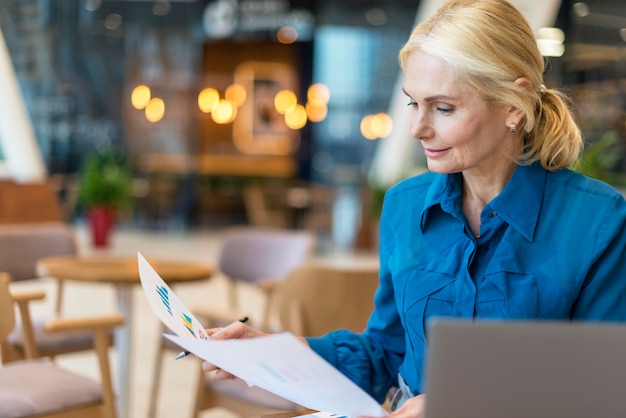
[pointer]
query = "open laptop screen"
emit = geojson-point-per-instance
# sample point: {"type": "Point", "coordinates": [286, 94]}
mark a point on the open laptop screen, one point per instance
{"type": "Point", "coordinates": [496, 369]}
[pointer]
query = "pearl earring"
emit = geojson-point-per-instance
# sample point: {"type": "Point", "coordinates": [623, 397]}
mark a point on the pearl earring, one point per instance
{"type": "Point", "coordinates": [513, 127]}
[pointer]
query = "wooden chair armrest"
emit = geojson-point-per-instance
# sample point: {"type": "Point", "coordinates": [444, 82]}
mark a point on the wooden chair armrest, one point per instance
{"type": "Point", "coordinates": [84, 323]}
{"type": "Point", "coordinates": [100, 326]}
{"type": "Point", "coordinates": [20, 297]}
{"type": "Point", "coordinates": [268, 285]}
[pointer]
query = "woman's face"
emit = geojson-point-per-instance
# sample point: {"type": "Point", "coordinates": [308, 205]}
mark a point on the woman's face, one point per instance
{"type": "Point", "coordinates": [459, 131]}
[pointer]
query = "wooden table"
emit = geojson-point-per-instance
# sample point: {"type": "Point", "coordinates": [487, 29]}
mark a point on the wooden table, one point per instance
{"type": "Point", "coordinates": [124, 274]}
{"type": "Point", "coordinates": [284, 414]}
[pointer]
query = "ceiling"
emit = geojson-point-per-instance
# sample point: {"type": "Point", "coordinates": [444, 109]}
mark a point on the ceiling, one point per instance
{"type": "Point", "coordinates": [594, 38]}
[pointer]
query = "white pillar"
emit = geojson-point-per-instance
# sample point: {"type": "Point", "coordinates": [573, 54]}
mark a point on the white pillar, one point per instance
{"type": "Point", "coordinates": [398, 155]}
{"type": "Point", "coordinates": [22, 158]}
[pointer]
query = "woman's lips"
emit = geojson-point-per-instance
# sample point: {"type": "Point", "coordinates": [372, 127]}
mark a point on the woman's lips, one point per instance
{"type": "Point", "coordinates": [433, 153]}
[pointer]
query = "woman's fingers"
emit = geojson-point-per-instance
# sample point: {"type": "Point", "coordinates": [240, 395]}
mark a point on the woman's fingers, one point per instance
{"type": "Point", "coordinates": [224, 375]}
{"type": "Point", "coordinates": [234, 331]}
{"type": "Point", "coordinates": [412, 408]}
{"type": "Point", "coordinates": [219, 373]}
{"type": "Point", "coordinates": [237, 330]}
{"type": "Point", "coordinates": [208, 367]}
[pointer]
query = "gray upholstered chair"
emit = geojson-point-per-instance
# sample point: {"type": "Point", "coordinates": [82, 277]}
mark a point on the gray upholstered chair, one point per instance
{"type": "Point", "coordinates": [21, 246]}
{"type": "Point", "coordinates": [39, 388]}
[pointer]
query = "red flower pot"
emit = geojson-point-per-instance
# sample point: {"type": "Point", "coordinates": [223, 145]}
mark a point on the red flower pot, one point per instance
{"type": "Point", "coordinates": [101, 219]}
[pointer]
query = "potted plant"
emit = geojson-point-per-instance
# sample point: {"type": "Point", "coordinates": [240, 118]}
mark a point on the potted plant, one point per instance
{"type": "Point", "coordinates": [105, 189]}
{"type": "Point", "coordinates": [602, 159]}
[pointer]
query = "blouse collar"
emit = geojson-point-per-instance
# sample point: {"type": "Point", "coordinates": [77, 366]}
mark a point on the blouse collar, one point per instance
{"type": "Point", "coordinates": [519, 203]}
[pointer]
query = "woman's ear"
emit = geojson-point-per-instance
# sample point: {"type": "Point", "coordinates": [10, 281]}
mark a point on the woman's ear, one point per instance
{"type": "Point", "coordinates": [515, 114]}
{"type": "Point", "coordinates": [524, 82]}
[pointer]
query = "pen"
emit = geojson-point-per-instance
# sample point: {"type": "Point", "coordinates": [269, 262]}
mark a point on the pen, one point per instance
{"type": "Point", "coordinates": [186, 353]}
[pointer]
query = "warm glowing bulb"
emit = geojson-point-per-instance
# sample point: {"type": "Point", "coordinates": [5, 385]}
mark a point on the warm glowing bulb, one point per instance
{"type": "Point", "coordinates": [554, 34]}
{"type": "Point", "coordinates": [155, 110]}
{"type": "Point", "coordinates": [236, 93]}
{"type": "Point", "coordinates": [285, 100]}
{"type": "Point", "coordinates": [319, 94]}
{"type": "Point", "coordinates": [287, 35]}
{"type": "Point", "coordinates": [207, 100]}
{"type": "Point", "coordinates": [316, 113]}
{"type": "Point", "coordinates": [550, 41]}
{"type": "Point", "coordinates": [366, 127]}
{"type": "Point", "coordinates": [295, 117]}
{"type": "Point", "coordinates": [140, 96]}
{"type": "Point", "coordinates": [381, 125]}
{"type": "Point", "coordinates": [224, 112]}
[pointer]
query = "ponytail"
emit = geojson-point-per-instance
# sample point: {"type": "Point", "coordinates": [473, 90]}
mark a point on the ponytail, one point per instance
{"type": "Point", "coordinates": [555, 140]}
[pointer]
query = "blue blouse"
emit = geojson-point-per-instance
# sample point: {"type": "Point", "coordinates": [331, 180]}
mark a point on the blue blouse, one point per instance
{"type": "Point", "coordinates": [552, 246]}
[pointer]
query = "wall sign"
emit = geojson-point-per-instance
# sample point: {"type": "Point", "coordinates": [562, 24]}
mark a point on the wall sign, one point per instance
{"type": "Point", "coordinates": [225, 18]}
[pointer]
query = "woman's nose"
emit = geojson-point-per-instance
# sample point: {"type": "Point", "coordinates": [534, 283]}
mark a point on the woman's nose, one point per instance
{"type": "Point", "coordinates": [420, 125]}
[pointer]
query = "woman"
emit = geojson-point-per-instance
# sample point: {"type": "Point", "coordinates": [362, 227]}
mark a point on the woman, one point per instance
{"type": "Point", "coordinates": [500, 227]}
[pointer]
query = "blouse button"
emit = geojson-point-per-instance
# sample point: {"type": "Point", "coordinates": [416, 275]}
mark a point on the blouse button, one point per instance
{"type": "Point", "coordinates": [492, 214]}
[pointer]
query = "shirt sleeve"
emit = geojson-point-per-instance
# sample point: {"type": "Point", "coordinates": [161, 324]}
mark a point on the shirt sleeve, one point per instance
{"type": "Point", "coordinates": [603, 294]}
{"type": "Point", "coordinates": [353, 356]}
{"type": "Point", "coordinates": [370, 359]}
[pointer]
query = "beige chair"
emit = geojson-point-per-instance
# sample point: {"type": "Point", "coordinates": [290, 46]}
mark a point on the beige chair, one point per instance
{"type": "Point", "coordinates": [25, 203]}
{"type": "Point", "coordinates": [263, 211]}
{"type": "Point", "coordinates": [314, 299]}
{"type": "Point", "coordinates": [253, 259]}
{"type": "Point", "coordinates": [21, 246]}
{"type": "Point", "coordinates": [322, 297]}
{"type": "Point", "coordinates": [39, 388]}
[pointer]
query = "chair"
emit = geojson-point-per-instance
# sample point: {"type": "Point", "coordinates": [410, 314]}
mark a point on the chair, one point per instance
{"type": "Point", "coordinates": [254, 259]}
{"type": "Point", "coordinates": [257, 258]}
{"type": "Point", "coordinates": [21, 245]}
{"type": "Point", "coordinates": [314, 299]}
{"type": "Point", "coordinates": [262, 210]}
{"type": "Point", "coordinates": [39, 388]}
{"type": "Point", "coordinates": [25, 203]}
{"type": "Point", "coordinates": [322, 297]}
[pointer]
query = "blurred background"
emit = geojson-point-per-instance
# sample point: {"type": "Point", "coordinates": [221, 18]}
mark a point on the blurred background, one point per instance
{"type": "Point", "coordinates": [177, 120]}
{"type": "Point", "coordinates": [269, 112]}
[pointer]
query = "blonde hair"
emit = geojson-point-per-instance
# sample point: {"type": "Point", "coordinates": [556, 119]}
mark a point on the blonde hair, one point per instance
{"type": "Point", "coordinates": [490, 44]}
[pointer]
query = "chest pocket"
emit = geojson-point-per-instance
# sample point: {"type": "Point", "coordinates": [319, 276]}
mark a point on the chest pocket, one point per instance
{"type": "Point", "coordinates": [510, 295]}
{"type": "Point", "coordinates": [501, 295]}
{"type": "Point", "coordinates": [426, 293]}
{"type": "Point", "coordinates": [506, 295]}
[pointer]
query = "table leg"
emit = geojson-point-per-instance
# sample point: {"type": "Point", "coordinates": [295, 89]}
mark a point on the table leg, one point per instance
{"type": "Point", "coordinates": [123, 346]}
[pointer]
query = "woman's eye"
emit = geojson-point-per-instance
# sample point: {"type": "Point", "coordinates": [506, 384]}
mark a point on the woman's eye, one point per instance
{"type": "Point", "coordinates": [445, 110]}
{"type": "Point", "coordinates": [411, 103]}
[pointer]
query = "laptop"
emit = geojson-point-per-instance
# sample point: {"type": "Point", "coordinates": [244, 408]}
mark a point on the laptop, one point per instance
{"type": "Point", "coordinates": [496, 369]}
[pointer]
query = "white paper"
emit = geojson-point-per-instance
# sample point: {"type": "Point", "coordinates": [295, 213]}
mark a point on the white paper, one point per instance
{"type": "Point", "coordinates": [278, 363]}
{"type": "Point", "coordinates": [166, 305]}
{"type": "Point", "coordinates": [283, 365]}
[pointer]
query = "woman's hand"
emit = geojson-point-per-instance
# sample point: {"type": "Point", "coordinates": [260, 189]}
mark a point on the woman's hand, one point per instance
{"type": "Point", "coordinates": [412, 408]}
{"type": "Point", "coordinates": [235, 331]}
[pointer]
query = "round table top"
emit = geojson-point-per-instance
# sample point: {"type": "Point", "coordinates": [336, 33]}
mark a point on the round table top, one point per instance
{"type": "Point", "coordinates": [119, 269]}
{"type": "Point", "coordinates": [286, 414]}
